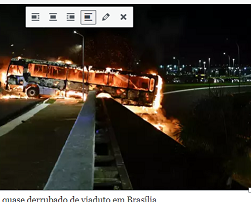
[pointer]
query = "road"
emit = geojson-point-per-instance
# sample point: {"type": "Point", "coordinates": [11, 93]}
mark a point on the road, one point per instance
{"type": "Point", "coordinates": [11, 108]}
{"type": "Point", "coordinates": [30, 151]}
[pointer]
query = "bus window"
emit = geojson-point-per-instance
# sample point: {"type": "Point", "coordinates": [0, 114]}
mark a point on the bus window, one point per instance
{"type": "Point", "coordinates": [16, 70]}
{"type": "Point", "coordinates": [56, 72]}
{"type": "Point", "coordinates": [152, 81]}
{"type": "Point", "coordinates": [118, 80]}
{"type": "Point", "coordinates": [75, 75]}
{"type": "Point", "coordinates": [37, 70]}
{"type": "Point", "coordinates": [139, 83]}
{"type": "Point", "coordinates": [98, 78]}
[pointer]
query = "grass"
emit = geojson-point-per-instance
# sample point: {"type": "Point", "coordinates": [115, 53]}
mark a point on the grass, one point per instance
{"type": "Point", "coordinates": [51, 101]}
{"type": "Point", "coordinates": [172, 87]}
{"type": "Point", "coordinates": [206, 84]}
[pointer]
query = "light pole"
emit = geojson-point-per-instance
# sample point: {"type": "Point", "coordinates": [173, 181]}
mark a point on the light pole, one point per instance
{"type": "Point", "coordinates": [233, 62]}
{"type": "Point", "coordinates": [83, 59]}
{"type": "Point", "coordinates": [178, 62]}
{"type": "Point", "coordinates": [204, 70]}
{"type": "Point", "coordinates": [239, 68]}
{"type": "Point", "coordinates": [228, 62]}
{"type": "Point", "coordinates": [199, 63]}
{"type": "Point", "coordinates": [209, 72]}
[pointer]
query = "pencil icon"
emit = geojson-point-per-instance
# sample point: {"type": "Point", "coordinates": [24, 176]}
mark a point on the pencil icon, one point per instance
{"type": "Point", "coordinates": [105, 16]}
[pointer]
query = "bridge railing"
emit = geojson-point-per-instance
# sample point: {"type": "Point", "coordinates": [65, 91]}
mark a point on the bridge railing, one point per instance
{"type": "Point", "coordinates": [74, 169]}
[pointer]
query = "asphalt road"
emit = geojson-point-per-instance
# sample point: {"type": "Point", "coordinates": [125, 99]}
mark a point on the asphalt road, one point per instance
{"type": "Point", "coordinates": [30, 151]}
{"type": "Point", "coordinates": [12, 108]}
{"type": "Point", "coordinates": [179, 104]}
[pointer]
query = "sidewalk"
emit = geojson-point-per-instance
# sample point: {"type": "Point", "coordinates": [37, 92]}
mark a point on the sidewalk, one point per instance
{"type": "Point", "coordinates": [28, 153]}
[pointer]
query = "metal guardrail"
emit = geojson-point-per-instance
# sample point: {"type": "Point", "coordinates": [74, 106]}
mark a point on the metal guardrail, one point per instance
{"type": "Point", "coordinates": [74, 169]}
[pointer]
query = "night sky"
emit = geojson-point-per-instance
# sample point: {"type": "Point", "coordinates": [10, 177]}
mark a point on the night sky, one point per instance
{"type": "Point", "coordinates": [189, 32]}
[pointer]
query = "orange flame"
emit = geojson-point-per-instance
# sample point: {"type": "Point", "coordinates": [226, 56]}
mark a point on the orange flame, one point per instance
{"type": "Point", "coordinates": [104, 95]}
{"type": "Point", "coordinates": [3, 78]}
{"type": "Point", "coordinates": [7, 97]}
{"type": "Point", "coordinates": [158, 98]}
{"type": "Point", "coordinates": [75, 94]}
{"type": "Point", "coordinates": [155, 116]}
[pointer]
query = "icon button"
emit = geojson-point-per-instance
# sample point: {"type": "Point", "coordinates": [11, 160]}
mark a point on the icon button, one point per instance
{"type": "Point", "coordinates": [88, 17]}
{"type": "Point", "coordinates": [70, 16]}
{"type": "Point", "coordinates": [123, 17]}
{"type": "Point", "coordinates": [107, 15]}
{"type": "Point", "coordinates": [35, 17]}
{"type": "Point", "coordinates": [53, 16]}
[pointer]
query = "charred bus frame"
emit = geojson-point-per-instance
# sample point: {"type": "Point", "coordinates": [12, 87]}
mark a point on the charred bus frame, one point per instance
{"type": "Point", "coordinates": [127, 86]}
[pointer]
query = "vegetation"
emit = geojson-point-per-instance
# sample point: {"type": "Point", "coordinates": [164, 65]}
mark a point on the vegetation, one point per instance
{"type": "Point", "coordinates": [220, 128]}
{"type": "Point", "coordinates": [51, 101]}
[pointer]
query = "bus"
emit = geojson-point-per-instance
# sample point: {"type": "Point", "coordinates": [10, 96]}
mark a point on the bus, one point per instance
{"type": "Point", "coordinates": [47, 78]}
{"type": "Point", "coordinates": [43, 78]}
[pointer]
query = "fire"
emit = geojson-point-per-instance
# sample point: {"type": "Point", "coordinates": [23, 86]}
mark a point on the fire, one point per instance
{"type": "Point", "coordinates": [75, 94]}
{"type": "Point", "coordinates": [104, 95]}
{"type": "Point", "coordinates": [3, 78]}
{"type": "Point", "coordinates": [158, 98]}
{"type": "Point", "coordinates": [108, 69]}
{"type": "Point", "coordinates": [7, 97]}
{"type": "Point", "coordinates": [155, 115]}
{"type": "Point", "coordinates": [69, 62]}
{"type": "Point", "coordinates": [157, 118]}
{"type": "Point", "coordinates": [153, 73]}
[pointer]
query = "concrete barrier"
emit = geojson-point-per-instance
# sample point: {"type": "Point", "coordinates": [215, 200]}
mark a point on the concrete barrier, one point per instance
{"type": "Point", "coordinates": [74, 169]}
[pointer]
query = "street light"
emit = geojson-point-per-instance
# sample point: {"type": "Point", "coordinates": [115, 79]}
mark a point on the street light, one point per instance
{"type": "Point", "coordinates": [238, 49]}
{"type": "Point", "coordinates": [228, 61]}
{"type": "Point", "coordinates": [178, 62]}
{"type": "Point", "coordinates": [209, 72]}
{"type": "Point", "coordinates": [204, 69]}
{"type": "Point", "coordinates": [83, 57]}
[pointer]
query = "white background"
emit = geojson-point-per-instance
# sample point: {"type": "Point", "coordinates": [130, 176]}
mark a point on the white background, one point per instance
{"type": "Point", "coordinates": [161, 196]}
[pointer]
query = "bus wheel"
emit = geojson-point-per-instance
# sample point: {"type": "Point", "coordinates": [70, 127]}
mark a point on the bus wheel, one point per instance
{"type": "Point", "coordinates": [32, 92]}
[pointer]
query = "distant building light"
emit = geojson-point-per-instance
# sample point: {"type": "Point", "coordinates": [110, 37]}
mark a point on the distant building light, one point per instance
{"type": "Point", "coordinates": [183, 66]}
{"type": "Point", "coordinates": [174, 58]}
{"type": "Point", "coordinates": [161, 66]}
{"type": "Point", "coordinates": [137, 63]}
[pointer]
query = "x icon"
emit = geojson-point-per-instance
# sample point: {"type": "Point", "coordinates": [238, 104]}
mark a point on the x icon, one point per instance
{"type": "Point", "coordinates": [123, 17]}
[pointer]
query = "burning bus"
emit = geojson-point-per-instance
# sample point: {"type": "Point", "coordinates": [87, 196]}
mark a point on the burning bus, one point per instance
{"type": "Point", "coordinates": [47, 78]}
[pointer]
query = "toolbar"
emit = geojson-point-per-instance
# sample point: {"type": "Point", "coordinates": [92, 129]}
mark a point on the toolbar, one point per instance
{"type": "Point", "coordinates": [79, 16]}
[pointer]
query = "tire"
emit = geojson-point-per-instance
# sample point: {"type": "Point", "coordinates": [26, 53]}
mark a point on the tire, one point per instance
{"type": "Point", "coordinates": [32, 92]}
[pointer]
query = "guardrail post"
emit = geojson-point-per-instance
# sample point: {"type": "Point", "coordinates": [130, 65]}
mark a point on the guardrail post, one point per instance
{"type": "Point", "coordinates": [74, 169]}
